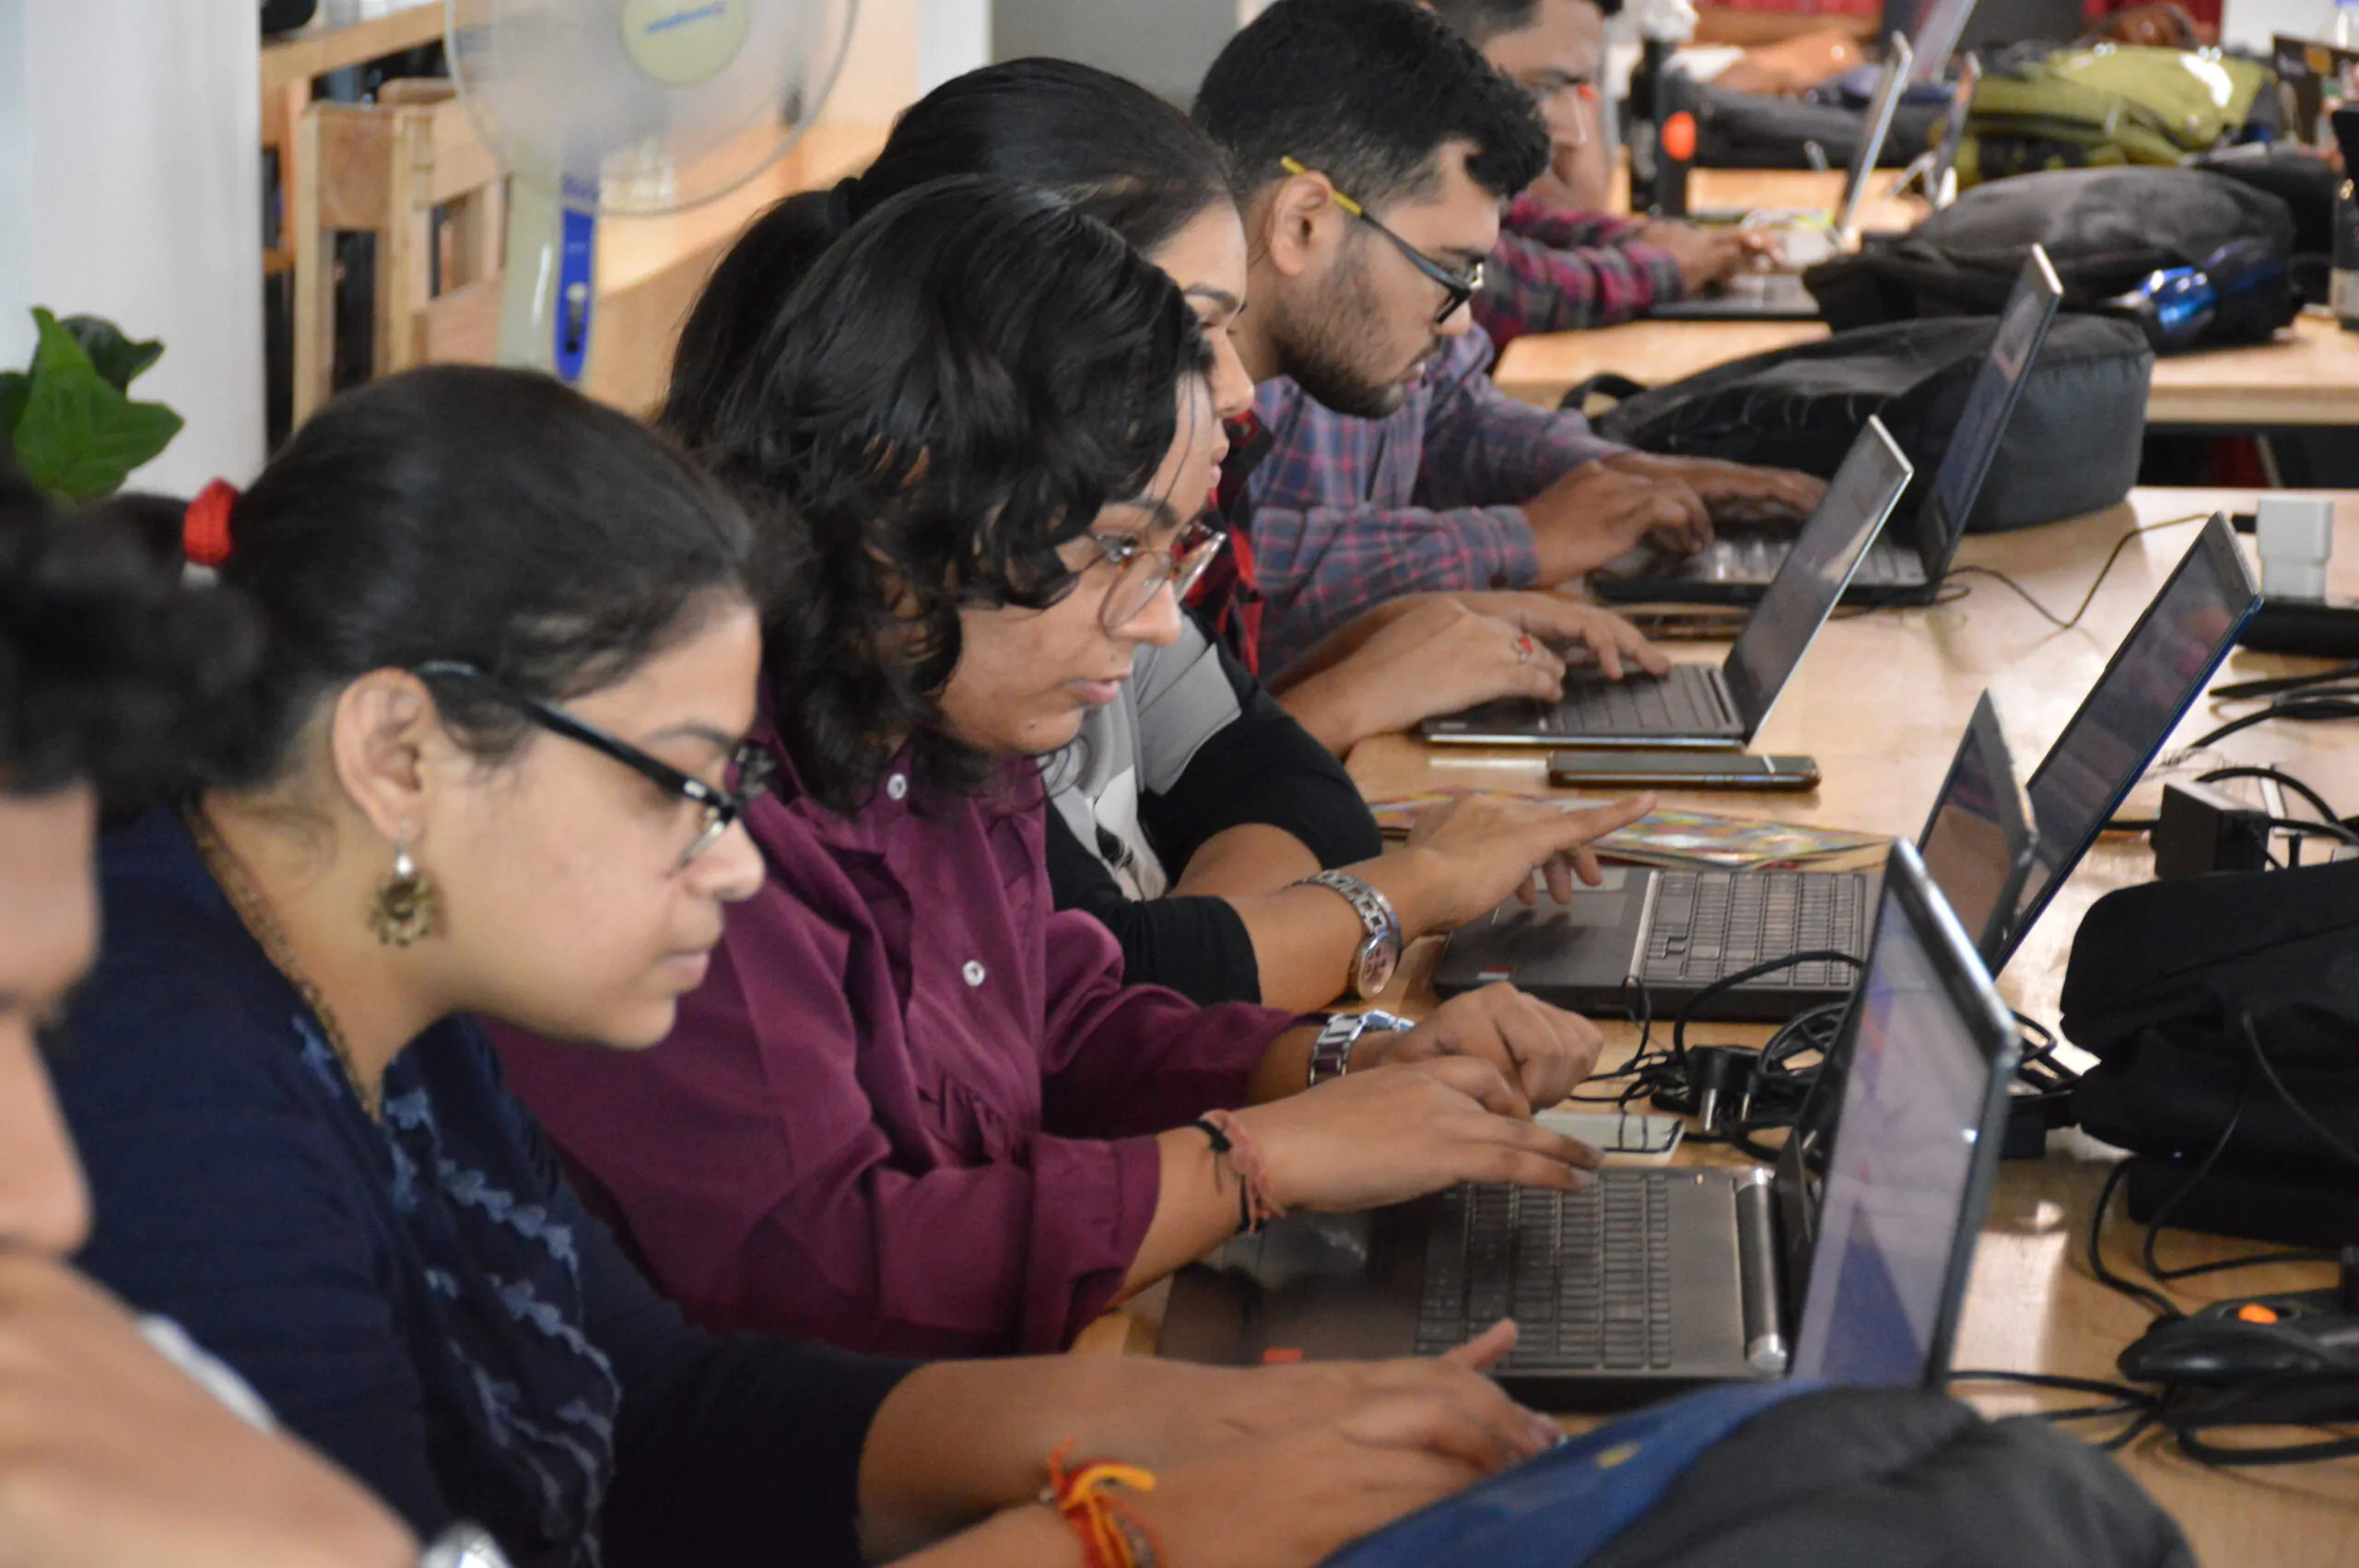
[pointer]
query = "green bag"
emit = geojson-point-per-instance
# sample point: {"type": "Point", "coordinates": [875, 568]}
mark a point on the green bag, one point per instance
{"type": "Point", "coordinates": [2106, 105]}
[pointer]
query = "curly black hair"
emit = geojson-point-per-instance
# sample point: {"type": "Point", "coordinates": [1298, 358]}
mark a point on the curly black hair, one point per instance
{"type": "Point", "coordinates": [954, 389]}
{"type": "Point", "coordinates": [1368, 92]}
{"type": "Point", "coordinates": [1110, 148]}
{"type": "Point", "coordinates": [111, 674]}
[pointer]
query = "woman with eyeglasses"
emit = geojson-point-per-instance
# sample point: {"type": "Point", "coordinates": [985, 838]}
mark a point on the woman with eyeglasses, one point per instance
{"type": "Point", "coordinates": [493, 766]}
{"type": "Point", "coordinates": [1193, 811]}
{"type": "Point", "coordinates": [914, 1108]}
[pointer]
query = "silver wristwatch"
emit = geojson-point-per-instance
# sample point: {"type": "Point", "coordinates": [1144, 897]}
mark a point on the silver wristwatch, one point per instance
{"type": "Point", "coordinates": [1380, 954]}
{"type": "Point", "coordinates": [464, 1546]}
{"type": "Point", "coordinates": [1331, 1054]}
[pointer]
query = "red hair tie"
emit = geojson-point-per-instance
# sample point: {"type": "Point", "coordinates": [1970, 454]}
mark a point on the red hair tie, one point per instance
{"type": "Point", "coordinates": [205, 532]}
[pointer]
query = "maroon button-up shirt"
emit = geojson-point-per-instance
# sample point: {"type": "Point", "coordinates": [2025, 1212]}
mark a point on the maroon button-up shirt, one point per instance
{"type": "Point", "coordinates": [912, 1108]}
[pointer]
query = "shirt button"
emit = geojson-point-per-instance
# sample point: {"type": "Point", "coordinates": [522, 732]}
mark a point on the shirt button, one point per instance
{"type": "Point", "coordinates": [897, 786]}
{"type": "Point", "coordinates": [976, 974]}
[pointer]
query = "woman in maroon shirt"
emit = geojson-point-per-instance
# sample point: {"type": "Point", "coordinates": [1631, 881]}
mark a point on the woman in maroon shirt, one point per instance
{"type": "Point", "coordinates": [913, 1108]}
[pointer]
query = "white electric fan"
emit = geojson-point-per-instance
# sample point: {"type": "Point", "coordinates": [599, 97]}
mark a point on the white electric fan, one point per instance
{"type": "Point", "coordinates": [599, 108]}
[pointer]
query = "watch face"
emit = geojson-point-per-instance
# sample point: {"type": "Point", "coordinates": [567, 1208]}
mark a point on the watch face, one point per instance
{"type": "Point", "coordinates": [1374, 971]}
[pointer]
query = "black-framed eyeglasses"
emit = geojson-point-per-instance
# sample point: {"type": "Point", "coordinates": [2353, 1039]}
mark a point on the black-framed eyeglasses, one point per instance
{"type": "Point", "coordinates": [750, 770]}
{"type": "Point", "coordinates": [1142, 568]}
{"type": "Point", "coordinates": [1458, 285]}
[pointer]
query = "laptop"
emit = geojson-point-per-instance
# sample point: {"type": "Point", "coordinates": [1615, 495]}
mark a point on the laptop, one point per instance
{"type": "Point", "coordinates": [1781, 297]}
{"type": "Point", "coordinates": [1679, 931]}
{"type": "Point", "coordinates": [1940, 25]}
{"type": "Point", "coordinates": [1654, 1280]}
{"type": "Point", "coordinates": [1908, 560]}
{"type": "Point", "coordinates": [1722, 704]}
{"type": "Point", "coordinates": [1579, 953]}
{"type": "Point", "coordinates": [2154, 677]}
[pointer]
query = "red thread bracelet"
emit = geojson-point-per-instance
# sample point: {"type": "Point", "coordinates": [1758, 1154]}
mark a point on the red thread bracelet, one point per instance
{"type": "Point", "coordinates": [1256, 1206]}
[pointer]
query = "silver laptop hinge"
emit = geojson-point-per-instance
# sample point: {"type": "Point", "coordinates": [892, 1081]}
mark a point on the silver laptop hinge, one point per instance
{"type": "Point", "coordinates": [1645, 929]}
{"type": "Point", "coordinates": [1756, 1250]}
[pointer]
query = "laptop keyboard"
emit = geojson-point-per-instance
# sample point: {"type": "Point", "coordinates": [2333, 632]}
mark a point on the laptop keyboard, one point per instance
{"type": "Point", "coordinates": [1707, 924]}
{"type": "Point", "coordinates": [1679, 704]}
{"type": "Point", "coordinates": [1585, 1275]}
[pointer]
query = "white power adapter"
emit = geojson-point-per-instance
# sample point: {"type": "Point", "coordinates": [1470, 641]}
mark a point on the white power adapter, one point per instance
{"type": "Point", "coordinates": [2294, 535]}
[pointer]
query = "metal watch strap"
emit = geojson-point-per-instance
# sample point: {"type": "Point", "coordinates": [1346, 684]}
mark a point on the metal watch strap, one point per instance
{"type": "Point", "coordinates": [464, 1546]}
{"type": "Point", "coordinates": [1378, 919]}
{"type": "Point", "coordinates": [1331, 1054]}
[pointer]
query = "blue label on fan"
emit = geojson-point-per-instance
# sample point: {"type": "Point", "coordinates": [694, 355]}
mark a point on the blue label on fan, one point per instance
{"type": "Point", "coordinates": [576, 286]}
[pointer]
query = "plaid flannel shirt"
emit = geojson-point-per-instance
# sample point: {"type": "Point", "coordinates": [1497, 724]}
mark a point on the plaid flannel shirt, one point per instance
{"type": "Point", "coordinates": [1556, 271]}
{"type": "Point", "coordinates": [1349, 513]}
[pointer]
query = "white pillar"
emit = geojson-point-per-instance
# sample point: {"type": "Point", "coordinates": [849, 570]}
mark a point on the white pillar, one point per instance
{"type": "Point", "coordinates": [953, 38]}
{"type": "Point", "coordinates": [131, 187]}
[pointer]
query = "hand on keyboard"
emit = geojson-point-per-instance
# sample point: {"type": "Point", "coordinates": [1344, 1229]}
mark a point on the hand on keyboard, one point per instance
{"type": "Point", "coordinates": [1385, 1135]}
{"type": "Point", "coordinates": [1543, 1050]}
{"type": "Point", "coordinates": [1467, 854]}
{"type": "Point", "coordinates": [1733, 491]}
{"type": "Point", "coordinates": [1351, 1447]}
{"type": "Point", "coordinates": [1564, 623]}
{"type": "Point", "coordinates": [1601, 509]}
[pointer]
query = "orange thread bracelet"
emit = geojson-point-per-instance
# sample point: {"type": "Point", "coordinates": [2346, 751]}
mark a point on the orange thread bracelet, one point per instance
{"type": "Point", "coordinates": [1110, 1535]}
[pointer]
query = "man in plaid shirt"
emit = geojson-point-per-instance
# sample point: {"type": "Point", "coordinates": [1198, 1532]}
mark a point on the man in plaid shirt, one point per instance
{"type": "Point", "coordinates": [1559, 265]}
{"type": "Point", "coordinates": [1371, 148]}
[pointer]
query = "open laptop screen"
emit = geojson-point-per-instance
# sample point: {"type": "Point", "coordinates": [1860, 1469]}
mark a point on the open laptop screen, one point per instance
{"type": "Point", "coordinates": [1890, 85]}
{"type": "Point", "coordinates": [1979, 837]}
{"type": "Point", "coordinates": [1826, 552]}
{"type": "Point", "coordinates": [1940, 23]}
{"type": "Point", "coordinates": [2160, 669]}
{"type": "Point", "coordinates": [1989, 403]}
{"type": "Point", "coordinates": [1926, 1051]}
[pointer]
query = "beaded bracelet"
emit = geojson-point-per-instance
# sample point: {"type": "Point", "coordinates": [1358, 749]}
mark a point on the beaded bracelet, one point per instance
{"type": "Point", "coordinates": [1110, 1535]}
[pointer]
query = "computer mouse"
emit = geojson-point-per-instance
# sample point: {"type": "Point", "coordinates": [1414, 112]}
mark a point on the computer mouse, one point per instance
{"type": "Point", "coordinates": [2215, 1351]}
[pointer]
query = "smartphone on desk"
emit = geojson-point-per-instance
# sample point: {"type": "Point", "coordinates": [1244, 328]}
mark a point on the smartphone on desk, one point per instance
{"type": "Point", "coordinates": [1605, 769]}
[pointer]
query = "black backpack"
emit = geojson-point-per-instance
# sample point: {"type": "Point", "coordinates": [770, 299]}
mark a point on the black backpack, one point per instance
{"type": "Point", "coordinates": [1751, 130]}
{"type": "Point", "coordinates": [2105, 229]}
{"type": "Point", "coordinates": [2071, 448]}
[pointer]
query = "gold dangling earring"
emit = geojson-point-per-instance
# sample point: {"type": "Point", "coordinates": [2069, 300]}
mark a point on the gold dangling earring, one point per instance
{"type": "Point", "coordinates": [404, 909]}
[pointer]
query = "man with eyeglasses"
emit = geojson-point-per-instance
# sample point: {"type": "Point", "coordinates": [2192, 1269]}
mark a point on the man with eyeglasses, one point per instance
{"type": "Point", "coordinates": [1562, 264]}
{"type": "Point", "coordinates": [1372, 148]}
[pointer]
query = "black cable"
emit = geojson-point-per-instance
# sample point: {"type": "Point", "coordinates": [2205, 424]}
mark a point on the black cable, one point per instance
{"type": "Point", "coordinates": [2317, 708]}
{"type": "Point", "coordinates": [2136, 1403]}
{"type": "Point", "coordinates": [2089, 598]}
{"type": "Point", "coordinates": [2281, 778]}
{"type": "Point", "coordinates": [2327, 1134]}
{"type": "Point", "coordinates": [2160, 1302]}
{"type": "Point", "coordinates": [2277, 686]}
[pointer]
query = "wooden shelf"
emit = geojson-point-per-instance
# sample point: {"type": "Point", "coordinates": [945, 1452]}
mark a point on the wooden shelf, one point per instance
{"type": "Point", "coordinates": [322, 46]}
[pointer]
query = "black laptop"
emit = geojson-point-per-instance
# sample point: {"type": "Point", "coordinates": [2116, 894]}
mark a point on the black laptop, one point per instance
{"type": "Point", "coordinates": [1907, 562]}
{"type": "Point", "coordinates": [2154, 677]}
{"type": "Point", "coordinates": [1679, 931]}
{"type": "Point", "coordinates": [1783, 297]}
{"type": "Point", "coordinates": [1584, 953]}
{"type": "Point", "coordinates": [1655, 1281]}
{"type": "Point", "coordinates": [1723, 704]}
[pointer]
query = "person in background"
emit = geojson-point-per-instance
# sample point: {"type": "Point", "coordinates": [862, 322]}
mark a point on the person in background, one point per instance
{"type": "Point", "coordinates": [913, 1108]}
{"type": "Point", "coordinates": [492, 766]}
{"type": "Point", "coordinates": [116, 1451]}
{"type": "Point", "coordinates": [1370, 147]}
{"type": "Point", "coordinates": [1190, 810]}
{"type": "Point", "coordinates": [1563, 263]}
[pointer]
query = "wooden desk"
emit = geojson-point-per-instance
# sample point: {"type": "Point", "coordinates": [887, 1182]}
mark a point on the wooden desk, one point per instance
{"type": "Point", "coordinates": [1880, 702]}
{"type": "Point", "coordinates": [2310, 377]}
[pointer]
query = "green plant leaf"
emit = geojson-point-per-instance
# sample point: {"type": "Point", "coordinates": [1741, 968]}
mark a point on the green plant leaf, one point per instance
{"type": "Point", "coordinates": [119, 358]}
{"type": "Point", "coordinates": [79, 435]}
{"type": "Point", "coordinates": [15, 387]}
